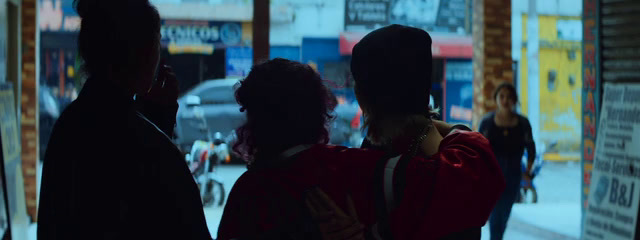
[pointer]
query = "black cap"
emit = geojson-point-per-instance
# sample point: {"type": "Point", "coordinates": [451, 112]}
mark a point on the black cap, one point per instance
{"type": "Point", "coordinates": [392, 69]}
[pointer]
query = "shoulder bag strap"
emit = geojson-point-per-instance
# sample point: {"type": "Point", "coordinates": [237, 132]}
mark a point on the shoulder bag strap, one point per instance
{"type": "Point", "coordinates": [384, 198]}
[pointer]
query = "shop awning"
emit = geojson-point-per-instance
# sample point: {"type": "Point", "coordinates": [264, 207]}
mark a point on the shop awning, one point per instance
{"type": "Point", "coordinates": [443, 46]}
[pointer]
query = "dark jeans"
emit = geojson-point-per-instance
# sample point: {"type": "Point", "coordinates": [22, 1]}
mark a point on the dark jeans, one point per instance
{"type": "Point", "coordinates": [500, 215]}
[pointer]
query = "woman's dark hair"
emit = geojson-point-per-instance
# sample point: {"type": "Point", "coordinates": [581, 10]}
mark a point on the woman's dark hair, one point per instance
{"type": "Point", "coordinates": [509, 88]}
{"type": "Point", "coordinates": [286, 104]}
{"type": "Point", "coordinates": [114, 32]}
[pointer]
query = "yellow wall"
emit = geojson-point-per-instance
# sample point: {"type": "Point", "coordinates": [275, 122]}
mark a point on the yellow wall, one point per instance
{"type": "Point", "coordinates": [560, 107]}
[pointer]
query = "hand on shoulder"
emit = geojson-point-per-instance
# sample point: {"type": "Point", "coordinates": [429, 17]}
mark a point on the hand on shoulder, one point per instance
{"type": "Point", "coordinates": [431, 144]}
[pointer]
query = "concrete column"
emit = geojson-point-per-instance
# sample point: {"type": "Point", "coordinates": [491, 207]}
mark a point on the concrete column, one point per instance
{"type": "Point", "coordinates": [29, 104]}
{"type": "Point", "coordinates": [533, 68]}
{"type": "Point", "coordinates": [492, 62]}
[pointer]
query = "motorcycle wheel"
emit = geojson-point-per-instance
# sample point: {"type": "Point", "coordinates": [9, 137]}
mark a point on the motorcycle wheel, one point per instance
{"type": "Point", "coordinates": [218, 193]}
{"type": "Point", "coordinates": [215, 194]}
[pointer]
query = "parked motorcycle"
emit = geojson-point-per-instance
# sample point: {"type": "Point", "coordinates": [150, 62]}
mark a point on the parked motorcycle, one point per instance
{"type": "Point", "coordinates": [528, 192]}
{"type": "Point", "coordinates": [203, 158]}
{"type": "Point", "coordinates": [202, 161]}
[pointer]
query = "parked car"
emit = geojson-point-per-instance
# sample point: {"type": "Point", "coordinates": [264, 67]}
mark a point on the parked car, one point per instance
{"type": "Point", "coordinates": [213, 98]}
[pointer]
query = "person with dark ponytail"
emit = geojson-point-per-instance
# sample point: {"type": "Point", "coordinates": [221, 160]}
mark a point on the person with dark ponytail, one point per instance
{"type": "Point", "coordinates": [110, 170]}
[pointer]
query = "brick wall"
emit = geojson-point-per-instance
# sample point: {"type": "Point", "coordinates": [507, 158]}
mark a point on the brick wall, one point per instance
{"type": "Point", "coordinates": [491, 53]}
{"type": "Point", "coordinates": [29, 105]}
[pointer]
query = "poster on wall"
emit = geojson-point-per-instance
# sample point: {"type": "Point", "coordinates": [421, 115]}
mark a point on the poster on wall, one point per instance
{"type": "Point", "coordinates": [451, 16]}
{"type": "Point", "coordinates": [612, 210]}
{"type": "Point", "coordinates": [459, 91]}
{"type": "Point", "coordinates": [238, 61]}
{"type": "Point", "coordinates": [10, 154]}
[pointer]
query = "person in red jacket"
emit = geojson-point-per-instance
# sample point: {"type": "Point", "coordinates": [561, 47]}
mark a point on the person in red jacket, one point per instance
{"type": "Point", "coordinates": [399, 116]}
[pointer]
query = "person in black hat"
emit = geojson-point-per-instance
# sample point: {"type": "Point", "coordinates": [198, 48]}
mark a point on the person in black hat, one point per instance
{"type": "Point", "coordinates": [392, 69]}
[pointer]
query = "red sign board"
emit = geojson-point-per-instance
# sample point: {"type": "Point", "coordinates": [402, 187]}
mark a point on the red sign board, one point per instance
{"type": "Point", "coordinates": [442, 46]}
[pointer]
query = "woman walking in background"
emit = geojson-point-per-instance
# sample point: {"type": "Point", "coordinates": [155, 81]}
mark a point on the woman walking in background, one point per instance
{"type": "Point", "coordinates": [509, 134]}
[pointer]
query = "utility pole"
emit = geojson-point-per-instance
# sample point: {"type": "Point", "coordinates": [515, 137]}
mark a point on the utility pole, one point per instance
{"type": "Point", "coordinates": [533, 62]}
{"type": "Point", "coordinates": [261, 21]}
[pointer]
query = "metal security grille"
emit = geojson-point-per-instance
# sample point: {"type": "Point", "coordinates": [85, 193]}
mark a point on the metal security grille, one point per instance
{"type": "Point", "coordinates": [620, 34]}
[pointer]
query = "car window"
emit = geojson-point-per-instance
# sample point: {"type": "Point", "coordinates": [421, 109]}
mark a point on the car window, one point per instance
{"type": "Point", "coordinates": [217, 95]}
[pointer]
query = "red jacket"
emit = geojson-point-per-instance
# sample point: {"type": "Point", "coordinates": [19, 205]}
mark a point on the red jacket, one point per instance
{"type": "Point", "coordinates": [457, 195]}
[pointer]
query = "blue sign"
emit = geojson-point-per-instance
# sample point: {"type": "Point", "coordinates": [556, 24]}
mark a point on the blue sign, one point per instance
{"type": "Point", "coordinates": [238, 61]}
{"type": "Point", "coordinates": [317, 51]}
{"type": "Point", "coordinates": [459, 91]}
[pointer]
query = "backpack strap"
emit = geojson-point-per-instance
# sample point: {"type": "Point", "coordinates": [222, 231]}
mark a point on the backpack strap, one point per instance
{"type": "Point", "coordinates": [384, 195]}
{"type": "Point", "coordinates": [388, 184]}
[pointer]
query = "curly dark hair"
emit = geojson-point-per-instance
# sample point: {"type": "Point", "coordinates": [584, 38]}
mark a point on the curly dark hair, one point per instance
{"type": "Point", "coordinates": [287, 104]}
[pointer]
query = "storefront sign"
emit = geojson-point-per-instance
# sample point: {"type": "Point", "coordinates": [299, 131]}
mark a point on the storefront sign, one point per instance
{"type": "Point", "coordinates": [202, 37]}
{"type": "Point", "coordinates": [590, 93]}
{"type": "Point", "coordinates": [451, 16]}
{"type": "Point", "coordinates": [366, 15]}
{"type": "Point", "coordinates": [612, 209]}
{"type": "Point", "coordinates": [454, 16]}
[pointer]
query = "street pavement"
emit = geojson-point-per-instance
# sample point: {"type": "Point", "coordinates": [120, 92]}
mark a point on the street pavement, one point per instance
{"type": "Point", "coordinates": [556, 215]}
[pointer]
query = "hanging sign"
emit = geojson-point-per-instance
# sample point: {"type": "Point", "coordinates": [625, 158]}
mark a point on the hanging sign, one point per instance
{"type": "Point", "coordinates": [612, 208]}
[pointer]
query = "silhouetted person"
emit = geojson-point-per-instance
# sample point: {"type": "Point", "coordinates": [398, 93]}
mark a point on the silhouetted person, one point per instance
{"type": "Point", "coordinates": [290, 166]}
{"type": "Point", "coordinates": [110, 171]}
{"type": "Point", "coordinates": [509, 134]}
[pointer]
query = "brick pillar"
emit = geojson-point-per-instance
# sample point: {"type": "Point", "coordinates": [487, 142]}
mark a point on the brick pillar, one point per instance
{"type": "Point", "coordinates": [491, 53]}
{"type": "Point", "coordinates": [29, 105]}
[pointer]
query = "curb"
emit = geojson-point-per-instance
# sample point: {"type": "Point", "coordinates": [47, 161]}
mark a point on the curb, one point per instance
{"type": "Point", "coordinates": [535, 231]}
